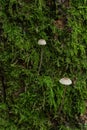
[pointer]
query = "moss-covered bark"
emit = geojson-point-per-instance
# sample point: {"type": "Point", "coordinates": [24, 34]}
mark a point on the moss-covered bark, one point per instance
{"type": "Point", "coordinates": [28, 100]}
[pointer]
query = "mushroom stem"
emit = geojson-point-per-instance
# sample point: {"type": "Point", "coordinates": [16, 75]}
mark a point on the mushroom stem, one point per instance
{"type": "Point", "coordinates": [62, 103]}
{"type": "Point", "coordinates": [41, 58]}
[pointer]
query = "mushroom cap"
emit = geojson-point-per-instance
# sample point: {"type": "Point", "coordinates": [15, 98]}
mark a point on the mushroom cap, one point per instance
{"type": "Point", "coordinates": [65, 81]}
{"type": "Point", "coordinates": [41, 42]}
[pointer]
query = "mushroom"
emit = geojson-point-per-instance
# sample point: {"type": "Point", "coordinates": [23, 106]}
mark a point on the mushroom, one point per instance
{"type": "Point", "coordinates": [41, 42]}
{"type": "Point", "coordinates": [64, 81]}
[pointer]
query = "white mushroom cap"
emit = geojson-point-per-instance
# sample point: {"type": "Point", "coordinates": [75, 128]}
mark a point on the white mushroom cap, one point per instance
{"type": "Point", "coordinates": [41, 42]}
{"type": "Point", "coordinates": [65, 81]}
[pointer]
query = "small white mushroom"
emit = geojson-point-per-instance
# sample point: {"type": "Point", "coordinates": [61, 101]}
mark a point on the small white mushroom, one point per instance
{"type": "Point", "coordinates": [41, 42]}
{"type": "Point", "coordinates": [65, 81]}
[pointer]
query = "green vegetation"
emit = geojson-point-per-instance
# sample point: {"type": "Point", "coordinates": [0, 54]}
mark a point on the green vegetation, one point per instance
{"type": "Point", "coordinates": [31, 101]}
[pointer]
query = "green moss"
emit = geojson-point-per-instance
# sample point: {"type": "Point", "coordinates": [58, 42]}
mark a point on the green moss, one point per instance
{"type": "Point", "coordinates": [32, 100]}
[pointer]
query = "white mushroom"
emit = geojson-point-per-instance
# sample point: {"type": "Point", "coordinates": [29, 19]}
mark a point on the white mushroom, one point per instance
{"type": "Point", "coordinates": [41, 42]}
{"type": "Point", "coordinates": [65, 81]}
